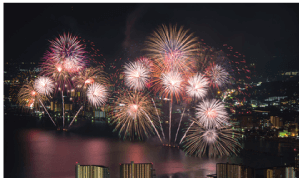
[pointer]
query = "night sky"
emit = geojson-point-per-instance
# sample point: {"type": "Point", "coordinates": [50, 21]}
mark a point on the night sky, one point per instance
{"type": "Point", "coordinates": [268, 34]}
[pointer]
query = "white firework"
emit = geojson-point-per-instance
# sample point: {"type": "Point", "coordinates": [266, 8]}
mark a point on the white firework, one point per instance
{"type": "Point", "coordinates": [136, 75]}
{"type": "Point", "coordinates": [44, 85]}
{"type": "Point", "coordinates": [211, 114]}
{"type": "Point", "coordinates": [172, 83]}
{"type": "Point", "coordinates": [210, 136]}
{"type": "Point", "coordinates": [217, 75]}
{"type": "Point", "coordinates": [97, 94]}
{"type": "Point", "coordinates": [197, 86]}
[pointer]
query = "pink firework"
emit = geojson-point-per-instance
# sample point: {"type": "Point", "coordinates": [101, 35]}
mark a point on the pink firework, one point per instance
{"type": "Point", "coordinates": [97, 94]}
{"type": "Point", "coordinates": [44, 85]}
{"type": "Point", "coordinates": [136, 75]}
{"type": "Point", "coordinates": [67, 51]}
{"type": "Point", "coordinates": [217, 75]}
{"type": "Point", "coordinates": [197, 86]}
{"type": "Point", "coordinates": [211, 114]}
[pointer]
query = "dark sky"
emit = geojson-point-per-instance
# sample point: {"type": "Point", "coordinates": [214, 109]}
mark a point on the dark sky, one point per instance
{"type": "Point", "coordinates": [268, 34]}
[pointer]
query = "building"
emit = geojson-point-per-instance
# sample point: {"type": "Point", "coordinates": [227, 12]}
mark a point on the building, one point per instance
{"type": "Point", "coordinates": [136, 170]}
{"type": "Point", "coordinates": [91, 171]}
{"type": "Point", "coordinates": [276, 122]}
{"type": "Point", "coordinates": [279, 172]}
{"type": "Point", "coordinates": [226, 170]}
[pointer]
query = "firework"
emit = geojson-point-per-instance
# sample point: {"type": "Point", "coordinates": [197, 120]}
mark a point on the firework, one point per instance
{"type": "Point", "coordinates": [88, 77]}
{"type": "Point", "coordinates": [57, 72]}
{"type": "Point", "coordinates": [215, 142]}
{"type": "Point", "coordinates": [97, 94]}
{"type": "Point", "coordinates": [171, 50]}
{"type": "Point", "coordinates": [197, 86]}
{"type": "Point", "coordinates": [217, 75]}
{"type": "Point", "coordinates": [134, 115]}
{"type": "Point", "coordinates": [172, 84]}
{"type": "Point", "coordinates": [171, 47]}
{"type": "Point", "coordinates": [136, 75]}
{"type": "Point", "coordinates": [211, 114]}
{"type": "Point", "coordinates": [44, 85]}
{"type": "Point", "coordinates": [67, 49]}
{"type": "Point", "coordinates": [28, 97]}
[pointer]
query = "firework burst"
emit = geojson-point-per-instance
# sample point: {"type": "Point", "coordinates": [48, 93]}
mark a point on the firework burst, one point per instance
{"type": "Point", "coordinates": [136, 75]}
{"type": "Point", "coordinates": [88, 77]}
{"type": "Point", "coordinates": [97, 94]}
{"type": "Point", "coordinates": [197, 86]}
{"type": "Point", "coordinates": [214, 142]}
{"type": "Point", "coordinates": [172, 84]}
{"type": "Point", "coordinates": [211, 114]}
{"type": "Point", "coordinates": [172, 47]}
{"type": "Point", "coordinates": [217, 75]}
{"type": "Point", "coordinates": [28, 97]}
{"type": "Point", "coordinates": [68, 49]}
{"type": "Point", "coordinates": [134, 115]}
{"type": "Point", "coordinates": [44, 85]}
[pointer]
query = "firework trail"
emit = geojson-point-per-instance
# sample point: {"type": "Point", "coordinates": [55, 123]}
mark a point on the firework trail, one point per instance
{"type": "Point", "coordinates": [179, 124]}
{"type": "Point", "coordinates": [217, 75]}
{"type": "Point", "coordinates": [221, 141]}
{"type": "Point", "coordinates": [161, 128]}
{"type": "Point", "coordinates": [172, 85]}
{"type": "Point", "coordinates": [186, 131]}
{"type": "Point", "coordinates": [75, 116]}
{"type": "Point", "coordinates": [133, 115]}
{"type": "Point", "coordinates": [211, 114]}
{"type": "Point", "coordinates": [136, 75]}
{"type": "Point", "coordinates": [28, 96]}
{"type": "Point", "coordinates": [197, 86]}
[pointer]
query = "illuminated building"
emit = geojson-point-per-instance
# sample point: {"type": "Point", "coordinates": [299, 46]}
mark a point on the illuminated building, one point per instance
{"type": "Point", "coordinates": [226, 170]}
{"type": "Point", "coordinates": [279, 172]}
{"type": "Point", "coordinates": [276, 122]}
{"type": "Point", "coordinates": [136, 170]}
{"type": "Point", "coordinates": [91, 171]}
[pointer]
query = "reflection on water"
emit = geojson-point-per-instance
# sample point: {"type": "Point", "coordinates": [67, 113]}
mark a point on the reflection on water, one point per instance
{"type": "Point", "coordinates": [48, 153]}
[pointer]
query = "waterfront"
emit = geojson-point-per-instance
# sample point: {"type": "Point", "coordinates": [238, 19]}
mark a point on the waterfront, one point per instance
{"type": "Point", "coordinates": [35, 149]}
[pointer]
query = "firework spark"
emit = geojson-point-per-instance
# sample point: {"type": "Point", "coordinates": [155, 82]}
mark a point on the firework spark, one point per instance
{"type": "Point", "coordinates": [211, 114]}
{"type": "Point", "coordinates": [197, 86]}
{"type": "Point", "coordinates": [134, 115]}
{"type": "Point", "coordinates": [44, 85]}
{"type": "Point", "coordinates": [97, 94]}
{"type": "Point", "coordinates": [136, 75]}
{"type": "Point", "coordinates": [214, 142]}
{"type": "Point", "coordinates": [217, 75]}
